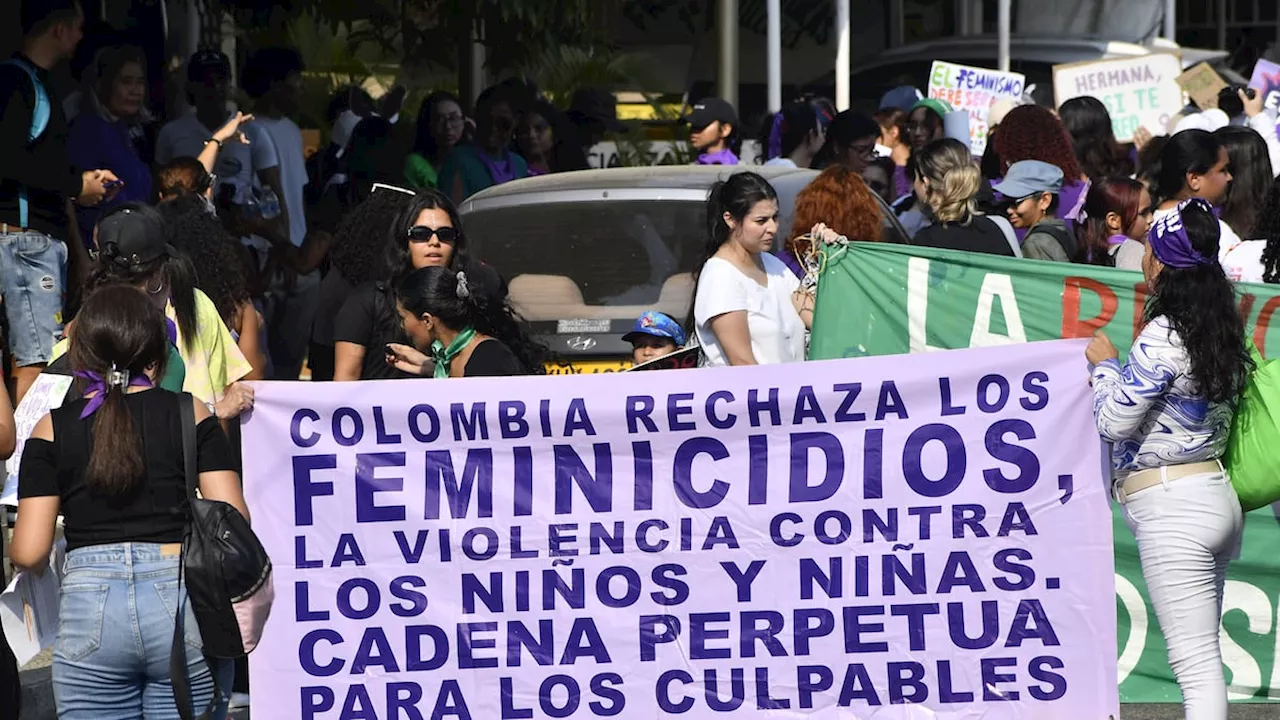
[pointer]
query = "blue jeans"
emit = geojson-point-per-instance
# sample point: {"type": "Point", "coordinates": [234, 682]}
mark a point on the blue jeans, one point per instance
{"type": "Point", "coordinates": [33, 276]}
{"type": "Point", "coordinates": [111, 659]}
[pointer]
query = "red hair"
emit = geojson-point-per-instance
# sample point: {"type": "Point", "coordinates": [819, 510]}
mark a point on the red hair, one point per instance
{"type": "Point", "coordinates": [839, 198]}
{"type": "Point", "coordinates": [1031, 132]}
{"type": "Point", "coordinates": [1119, 195]}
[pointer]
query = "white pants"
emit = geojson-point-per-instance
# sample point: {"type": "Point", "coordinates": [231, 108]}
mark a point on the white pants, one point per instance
{"type": "Point", "coordinates": [1187, 531]}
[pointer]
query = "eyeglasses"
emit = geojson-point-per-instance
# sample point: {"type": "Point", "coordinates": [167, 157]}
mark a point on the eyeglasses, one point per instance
{"type": "Point", "coordinates": [1024, 198]}
{"type": "Point", "coordinates": [422, 233]}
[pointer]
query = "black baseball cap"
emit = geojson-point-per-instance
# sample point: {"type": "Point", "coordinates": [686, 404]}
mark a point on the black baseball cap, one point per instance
{"type": "Point", "coordinates": [133, 234]}
{"type": "Point", "coordinates": [204, 61]}
{"type": "Point", "coordinates": [709, 110]}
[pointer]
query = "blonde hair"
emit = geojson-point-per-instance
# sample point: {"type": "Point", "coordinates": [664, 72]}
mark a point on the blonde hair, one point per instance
{"type": "Point", "coordinates": [953, 178]}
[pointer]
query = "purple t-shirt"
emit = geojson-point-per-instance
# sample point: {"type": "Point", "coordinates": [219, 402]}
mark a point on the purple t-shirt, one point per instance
{"type": "Point", "coordinates": [901, 183]}
{"type": "Point", "coordinates": [93, 143]}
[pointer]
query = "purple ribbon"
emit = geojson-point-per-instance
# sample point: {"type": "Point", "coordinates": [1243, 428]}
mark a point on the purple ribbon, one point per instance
{"type": "Point", "coordinates": [775, 137]}
{"type": "Point", "coordinates": [724, 157]}
{"type": "Point", "coordinates": [1169, 239]}
{"type": "Point", "coordinates": [99, 385]}
{"type": "Point", "coordinates": [171, 329]}
{"type": "Point", "coordinates": [501, 171]}
{"type": "Point", "coordinates": [1117, 239]}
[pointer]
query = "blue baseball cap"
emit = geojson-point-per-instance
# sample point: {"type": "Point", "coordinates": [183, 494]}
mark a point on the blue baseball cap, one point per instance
{"type": "Point", "coordinates": [1029, 177]}
{"type": "Point", "coordinates": [656, 324]}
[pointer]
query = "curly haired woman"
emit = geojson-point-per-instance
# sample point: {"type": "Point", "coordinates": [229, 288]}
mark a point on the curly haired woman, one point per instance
{"type": "Point", "coordinates": [1031, 132]}
{"type": "Point", "coordinates": [837, 200]}
{"type": "Point", "coordinates": [220, 273]}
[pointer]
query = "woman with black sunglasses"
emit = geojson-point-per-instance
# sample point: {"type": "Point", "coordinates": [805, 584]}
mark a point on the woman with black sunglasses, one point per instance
{"type": "Point", "coordinates": [426, 233]}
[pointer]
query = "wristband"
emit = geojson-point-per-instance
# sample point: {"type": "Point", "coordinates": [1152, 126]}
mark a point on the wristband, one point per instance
{"type": "Point", "coordinates": [215, 141]}
{"type": "Point", "coordinates": [213, 410]}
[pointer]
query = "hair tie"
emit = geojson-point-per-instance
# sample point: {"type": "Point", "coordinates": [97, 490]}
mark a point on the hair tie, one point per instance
{"type": "Point", "coordinates": [464, 291]}
{"type": "Point", "coordinates": [775, 136]}
{"type": "Point", "coordinates": [100, 386]}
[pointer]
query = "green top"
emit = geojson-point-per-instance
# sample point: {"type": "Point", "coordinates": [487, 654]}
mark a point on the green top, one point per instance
{"type": "Point", "coordinates": [419, 172]}
{"type": "Point", "coordinates": [175, 371]}
{"type": "Point", "coordinates": [464, 161]}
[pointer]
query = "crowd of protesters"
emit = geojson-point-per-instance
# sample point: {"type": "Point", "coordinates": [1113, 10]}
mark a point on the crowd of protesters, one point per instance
{"type": "Point", "coordinates": [194, 254]}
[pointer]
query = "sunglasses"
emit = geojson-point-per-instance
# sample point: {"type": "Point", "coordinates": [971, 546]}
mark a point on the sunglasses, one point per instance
{"type": "Point", "coordinates": [393, 188]}
{"type": "Point", "coordinates": [422, 233]}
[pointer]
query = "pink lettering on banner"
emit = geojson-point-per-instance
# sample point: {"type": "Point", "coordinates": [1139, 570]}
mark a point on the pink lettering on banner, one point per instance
{"type": "Point", "coordinates": [852, 538]}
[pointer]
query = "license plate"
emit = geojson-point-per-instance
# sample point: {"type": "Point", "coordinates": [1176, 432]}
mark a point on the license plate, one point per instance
{"type": "Point", "coordinates": [588, 367]}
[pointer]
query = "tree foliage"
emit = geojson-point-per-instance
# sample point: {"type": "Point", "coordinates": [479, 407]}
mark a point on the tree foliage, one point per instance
{"type": "Point", "coordinates": [514, 32]}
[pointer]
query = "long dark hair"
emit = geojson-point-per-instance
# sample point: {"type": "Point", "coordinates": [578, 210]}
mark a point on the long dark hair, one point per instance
{"type": "Point", "coordinates": [1119, 195]}
{"type": "Point", "coordinates": [438, 292]}
{"type": "Point", "coordinates": [736, 196]}
{"type": "Point", "coordinates": [1200, 304]}
{"type": "Point", "coordinates": [219, 266]}
{"type": "Point", "coordinates": [397, 263]}
{"type": "Point", "coordinates": [846, 128]}
{"type": "Point", "coordinates": [118, 328]}
{"type": "Point", "coordinates": [566, 152]}
{"type": "Point", "coordinates": [1251, 178]}
{"type": "Point", "coordinates": [1269, 230]}
{"type": "Point", "coordinates": [788, 129]}
{"type": "Point", "coordinates": [424, 142]}
{"type": "Point", "coordinates": [1093, 139]}
{"type": "Point", "coordinates": [1190, 151]}
{"type": "Point", "coordinates": [363, 233]}
{"type": "Point", "coordinates": [173, 272]}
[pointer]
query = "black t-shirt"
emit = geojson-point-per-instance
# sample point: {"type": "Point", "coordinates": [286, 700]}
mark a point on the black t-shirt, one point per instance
{"type": "Point", "coordinates": [154, 512]}
{"type": "Point", "coordinates": [363, 321]}
{"type": "Point", "coordinates": [981, 235]}
{"type": "Point", "coordinates": [42, 166]}
{"type": "Point", "coordinates": [492, 358]}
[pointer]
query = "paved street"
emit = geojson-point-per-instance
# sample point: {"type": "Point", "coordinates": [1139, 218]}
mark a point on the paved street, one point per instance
{"type": "Point", "coordinates": [38, 702]}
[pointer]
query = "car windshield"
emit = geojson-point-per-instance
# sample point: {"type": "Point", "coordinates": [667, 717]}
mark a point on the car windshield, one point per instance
{"type": "Point", "coordinates": [593, 259]}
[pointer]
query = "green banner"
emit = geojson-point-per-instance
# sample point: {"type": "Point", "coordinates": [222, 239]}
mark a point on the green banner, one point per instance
{"type": "Point", "coordinates": [876, 299]}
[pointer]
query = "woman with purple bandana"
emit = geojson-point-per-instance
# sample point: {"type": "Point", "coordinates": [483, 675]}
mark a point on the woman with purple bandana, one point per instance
{"type": "Point", "coordinates": [713, 132]}
{"type": "Point", "coordinates": [796, 133]}
{"type": "Point", "coordinates": [1167, 412]}
{"type": "Point", "coordinates": [111, 463]}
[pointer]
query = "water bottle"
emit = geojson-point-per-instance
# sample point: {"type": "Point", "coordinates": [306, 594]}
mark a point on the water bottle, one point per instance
{"type": "Point", "coordinates": [269, 204]}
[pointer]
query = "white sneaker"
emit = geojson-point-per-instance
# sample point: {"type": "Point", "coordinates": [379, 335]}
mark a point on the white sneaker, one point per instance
{"type": "Point", "coordinates": [239, 701]}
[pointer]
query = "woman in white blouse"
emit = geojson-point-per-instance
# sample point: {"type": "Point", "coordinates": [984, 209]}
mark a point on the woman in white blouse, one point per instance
{"type": "Point", "coordinates": [748, 308]}
{"type": "Point", "coordinates": [1167, 412]}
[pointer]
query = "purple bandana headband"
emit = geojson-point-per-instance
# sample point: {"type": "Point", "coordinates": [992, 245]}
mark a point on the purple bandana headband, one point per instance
{"type": "Point", "coordinates": [101, 386]}
{"type": "Point", "coordinates": [1169, 239]}
{"type": "Point", "coordinates": [775, 136]}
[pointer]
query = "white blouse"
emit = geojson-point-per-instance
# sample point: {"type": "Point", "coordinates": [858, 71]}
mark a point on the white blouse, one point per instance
{"type": "Point", "coordinates": [777, 332]}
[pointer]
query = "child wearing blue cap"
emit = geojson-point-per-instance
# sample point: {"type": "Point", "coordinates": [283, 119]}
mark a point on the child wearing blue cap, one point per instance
{"type": "Point", "coordinates": [654, 335]}
{"type": "Point", "coordinates": [1032, 188]}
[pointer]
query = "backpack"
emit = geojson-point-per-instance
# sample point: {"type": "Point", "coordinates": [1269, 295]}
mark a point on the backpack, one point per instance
{"type": "Point", "coordinates": [1251, 461]}
{"type": "Point", "coordinates": [1062, 235]}
{"type": "Point", "coordinates": [227, 574]}
{"type": "Point", "coordinates": [39, 121]}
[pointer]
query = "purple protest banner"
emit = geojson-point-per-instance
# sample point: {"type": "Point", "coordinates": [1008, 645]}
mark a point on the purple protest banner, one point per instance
{"type": "Point", "coordinates": [1266, 80]}
{"type": "Point", "coordinates": [889, 537]}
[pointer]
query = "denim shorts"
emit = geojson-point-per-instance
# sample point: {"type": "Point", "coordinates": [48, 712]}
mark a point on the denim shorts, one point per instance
{"type": "Point", "coordinates": [117, 612]}
{"type": "Point", "coordinates": [33, 277]}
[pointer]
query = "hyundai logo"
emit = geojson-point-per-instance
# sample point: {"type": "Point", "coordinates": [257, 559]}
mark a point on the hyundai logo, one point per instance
{"type": "Point", "coordinates": [580, 343]}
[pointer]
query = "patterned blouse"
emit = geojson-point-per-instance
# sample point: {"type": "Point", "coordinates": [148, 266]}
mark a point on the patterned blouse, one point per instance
{"type": "Point", "coordinates": [1151, 409]}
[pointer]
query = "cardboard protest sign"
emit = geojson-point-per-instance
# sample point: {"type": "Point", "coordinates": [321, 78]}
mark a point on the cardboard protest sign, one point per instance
{"type": "Point", "coordinates": [879, 299]}
{"type": "Point", "coordinates": [1203, 84]}
{"type": "Point", "coordinates": [972, 89]}
{"type": "Point", "coordinates": [1266, 80]}
{"type": "Point", "coordinates": [890, 537]}
{"type": "Point", "coordinates": [1138, 92]}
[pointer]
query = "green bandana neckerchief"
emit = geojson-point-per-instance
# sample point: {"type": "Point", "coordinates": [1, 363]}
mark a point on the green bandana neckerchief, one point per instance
{"type": "Point", "coordinates": [445, 355]}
